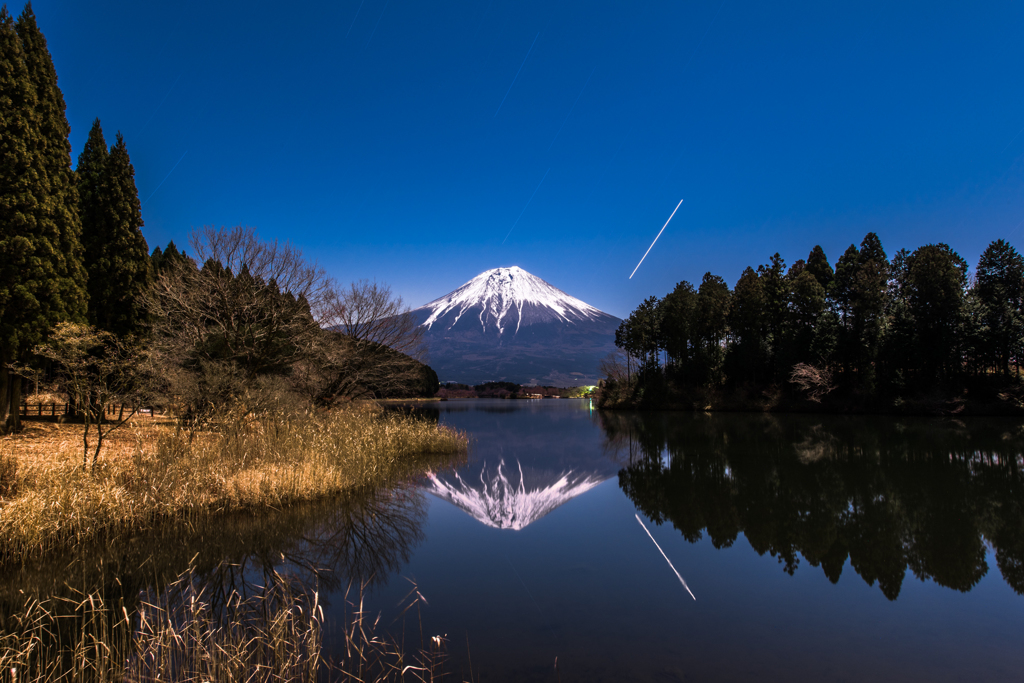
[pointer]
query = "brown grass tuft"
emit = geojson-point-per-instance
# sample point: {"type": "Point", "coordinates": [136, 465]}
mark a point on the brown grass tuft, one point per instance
{"type": "Point", "coordinates": [8, 476]}
{"type": "Point", "coordinates": [157, 472]}
{"type": "Point", "coordinates": [185, 634]}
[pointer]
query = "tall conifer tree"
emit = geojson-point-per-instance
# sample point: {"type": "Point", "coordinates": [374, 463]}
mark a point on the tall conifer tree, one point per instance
{"type": "Point", "coordinates": [776, 293]}
{"type": "Point", "coordinates": [117, 255]}
{"type": "Point", "coordinates": [818, 265]}
{"type": "Point", "coordinates": [58, 215]}
{"type": "Point", "coordinates": [748, 357]}
{"type": "Point", "coordinates": [41, 274]}
{"type": "Point", "coordinates": [92, 177]}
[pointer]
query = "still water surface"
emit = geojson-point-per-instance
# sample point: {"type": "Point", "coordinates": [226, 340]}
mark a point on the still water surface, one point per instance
{"type": "Point", "coordinates": [817, 547]}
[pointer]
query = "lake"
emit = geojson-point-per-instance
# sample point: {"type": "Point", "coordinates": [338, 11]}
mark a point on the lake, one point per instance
{"type": "Point", "coordinates": [655, 547]}
{"type": "Point", "coordinates": [816, 547]}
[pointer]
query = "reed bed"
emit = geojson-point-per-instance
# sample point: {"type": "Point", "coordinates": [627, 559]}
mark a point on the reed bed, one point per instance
{"type": "Point", "coordinates": [183, 634]}
{"type": "Point", "coordinates": [154, 473]}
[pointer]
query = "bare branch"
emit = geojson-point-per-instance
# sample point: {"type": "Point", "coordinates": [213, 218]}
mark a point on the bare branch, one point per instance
{"type": "Point", "coordinates": [368, 311]}
{"type": "Point", "coordinates": [270, 261]}
{"type": "Point", "coordinates": [817, 382]}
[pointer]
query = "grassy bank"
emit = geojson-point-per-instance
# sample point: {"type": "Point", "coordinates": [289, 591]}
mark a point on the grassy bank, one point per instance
{"type": "Point", "coordinates": [153, 473]}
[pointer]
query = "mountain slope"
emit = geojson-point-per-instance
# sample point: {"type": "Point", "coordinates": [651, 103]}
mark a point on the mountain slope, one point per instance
{"type": "Point", "coordinates": [507, 324]}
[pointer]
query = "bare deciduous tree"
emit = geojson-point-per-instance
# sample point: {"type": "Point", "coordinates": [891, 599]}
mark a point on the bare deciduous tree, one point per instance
{"type": "Point", "coordinates": [96, 370]}
{"type": "Point", "coordinates": [256, 321]}
{"type": "Point", "coordinates": [283, 264]}
{"type": "Point", "coordinates": [369, 312]}
{"type": "Point", "coordinates": [613, 366]}
{"type": "Point", "coordinates": [816, 381]}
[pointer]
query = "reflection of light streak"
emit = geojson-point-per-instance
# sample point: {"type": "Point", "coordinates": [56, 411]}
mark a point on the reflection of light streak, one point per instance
{"type": "Point", "coordinates": [524, 584]}
{"type": "Point", "coordinates": [678, 576]}
{"type": "Point", "coordinates": [655, 239]}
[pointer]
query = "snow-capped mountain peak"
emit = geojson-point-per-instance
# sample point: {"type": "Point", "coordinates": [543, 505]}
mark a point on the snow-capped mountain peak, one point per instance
{"type": "Point", "coordinates": [505, 299]}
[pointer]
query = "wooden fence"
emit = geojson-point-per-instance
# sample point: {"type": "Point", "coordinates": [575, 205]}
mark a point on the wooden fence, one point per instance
{"type": "Point", "coordinates": [61, 409]}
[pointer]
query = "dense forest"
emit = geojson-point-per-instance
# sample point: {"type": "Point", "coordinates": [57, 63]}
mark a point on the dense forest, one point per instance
{"type": "Point", "coordinates": [87, 311]}
{"type": "Point", "coordinates": [917, 331]}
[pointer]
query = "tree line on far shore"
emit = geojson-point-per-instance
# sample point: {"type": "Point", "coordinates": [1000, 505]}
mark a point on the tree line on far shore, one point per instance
{"type": "Point", "coordinates": [870, 327]}
{"type": "Point", "coordinates": [508, 390]}
{"type": "Point", "coordinates": [85, 305]}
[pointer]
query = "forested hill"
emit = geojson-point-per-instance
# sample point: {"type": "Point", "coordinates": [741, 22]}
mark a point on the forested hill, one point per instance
{"type": "Point", "coordinates": [916, 332]}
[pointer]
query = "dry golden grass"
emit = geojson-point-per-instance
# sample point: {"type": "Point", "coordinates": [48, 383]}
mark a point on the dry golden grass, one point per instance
{"type": "Point", "coordinates": [185, 635]}
{"type": "Point", "coordinates": [150, 472]}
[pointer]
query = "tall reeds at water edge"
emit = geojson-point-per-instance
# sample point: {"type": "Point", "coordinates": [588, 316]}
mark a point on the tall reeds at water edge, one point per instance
{"type": "Point", "coordinates": [184, 634]}
{"type": "Point", "coordinates": [246, 463]}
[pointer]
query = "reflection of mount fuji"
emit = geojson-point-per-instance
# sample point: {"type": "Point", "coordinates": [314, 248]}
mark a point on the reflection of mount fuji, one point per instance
{"type": "Point", "coordinates": [506, 499]}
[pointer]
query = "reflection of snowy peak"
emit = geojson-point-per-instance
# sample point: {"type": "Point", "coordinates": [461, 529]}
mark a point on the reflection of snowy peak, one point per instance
{"type": "Point", "coordinates": [504, 299]}
{"type": "Point", "coordinates": [505, 504]}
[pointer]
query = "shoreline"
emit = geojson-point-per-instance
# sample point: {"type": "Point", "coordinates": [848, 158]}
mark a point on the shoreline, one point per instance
{"type": "Point", "coordinates": [152, 474]}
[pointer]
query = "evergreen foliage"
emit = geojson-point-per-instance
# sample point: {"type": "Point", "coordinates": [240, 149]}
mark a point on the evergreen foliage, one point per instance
{"type": "Point", "coordinates": [57, 212]}
{"type": "Point", "coordinates": [72, 251]}
{"type": "Point", "coordinates": [92, 177]}
{"type": "Point", "coordinates": [41, 273]}
{"type": "Point", "coordinates": [936, 282]}
{"type": "Point", "coordinates": [775, 299]}
{"type": "Point", "coordinates": [117, 255]}
{"type": "Point", "coordinates": [818, 266]}
{"type": "Point", "coordinates": [1000, 290]}
{"type": "Point", "coordinates": [162, 260]}
{"type": "Point", "coordinates": [747, 325]}
{"type": "Point", "coordinates": [876, 327]}
{"type": "Point", "coordinates": [676, 313]}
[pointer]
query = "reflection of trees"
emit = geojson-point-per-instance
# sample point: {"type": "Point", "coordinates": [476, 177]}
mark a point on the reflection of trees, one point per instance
{"type": "Point", "coordinates": [363, 538]}
{"type": "Point", "coordinates": [922, 495]}
{"type": "Point", "coordinates": [367, 538]}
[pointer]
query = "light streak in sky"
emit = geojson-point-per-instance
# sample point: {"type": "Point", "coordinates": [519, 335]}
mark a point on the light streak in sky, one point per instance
{"type": "Point", "coordinates": [517, 73]}
{"type": "Point", "coordinates": [571, 108]}
{"type": "Point", "coordinates": [652, 246]}
{"type": "Point", "coordinates": [374, 32]}
{"type": "Point", "coordinates": [146, 124]}
{"type": "Point", "coordinates": [527, 205]}
{"type": "Point", "coordinates": [354, 19]}
{"type": "Point", "coordinates": [667, 560]}
{"type": "Point", "coordinates": [165, 179]}
{"type": "Point", "coordinates": [1017, 228]}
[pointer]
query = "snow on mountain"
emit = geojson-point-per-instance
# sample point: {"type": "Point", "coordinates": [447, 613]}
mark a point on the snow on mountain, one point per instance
{"type": "Point", "coordinates": [504, 504]}
{"type": "Point", "coordinates": [503, 296]}
{"type": "Point", "coordinates": [507, 324]}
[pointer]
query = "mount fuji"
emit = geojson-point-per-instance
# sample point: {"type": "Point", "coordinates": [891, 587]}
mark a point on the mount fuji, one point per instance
{"type": "Point", "coordinates": [509, 325]}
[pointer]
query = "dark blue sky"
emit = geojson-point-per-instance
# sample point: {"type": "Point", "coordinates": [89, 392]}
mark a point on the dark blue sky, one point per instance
{"type": "Point", "coordinates": [400, 140]}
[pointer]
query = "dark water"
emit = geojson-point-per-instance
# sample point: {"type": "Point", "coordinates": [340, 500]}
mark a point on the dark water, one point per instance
{"type": "Point", "coordinates": [816, 548]}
